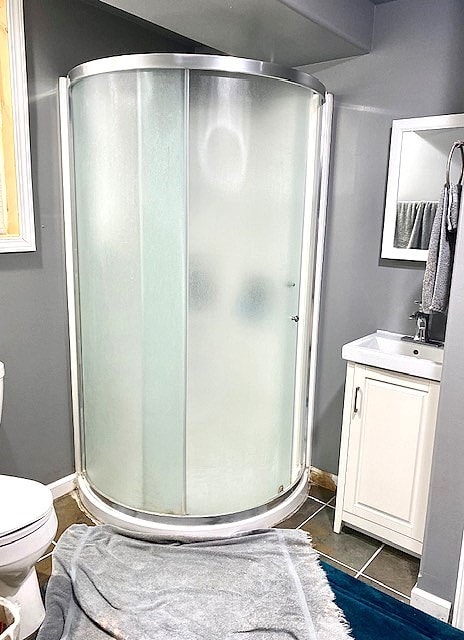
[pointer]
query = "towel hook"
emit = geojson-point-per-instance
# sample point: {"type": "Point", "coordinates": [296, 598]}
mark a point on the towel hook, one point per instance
{"type": "Point", "coordinates": [459, 144]}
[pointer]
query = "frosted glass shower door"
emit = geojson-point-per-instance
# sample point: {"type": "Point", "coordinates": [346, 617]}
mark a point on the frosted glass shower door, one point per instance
{"type": "Point", "coordinates": [190, 189]}
{"type": "Point", "coordinates": [129, 156]}
{"type": "Point", "coordinates": [247, 162]}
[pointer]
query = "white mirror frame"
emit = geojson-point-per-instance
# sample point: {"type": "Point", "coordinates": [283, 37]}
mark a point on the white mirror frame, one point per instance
{"type": "Point", "coordinates": [398, 128]}
{"type": "Point", "coordinates": [25, 240]}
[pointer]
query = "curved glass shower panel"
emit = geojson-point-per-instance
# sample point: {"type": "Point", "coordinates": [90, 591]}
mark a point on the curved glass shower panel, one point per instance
{"type": "Point", "coordinates": [248, 145]}
{"type": "Point", "coordinates": [193, 191]}
{"type": "Point", "coordinates": [130, 185]}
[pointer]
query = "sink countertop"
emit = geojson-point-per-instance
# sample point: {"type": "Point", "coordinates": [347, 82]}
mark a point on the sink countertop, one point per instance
{"type": "Point", "coordinates": [387, 350]}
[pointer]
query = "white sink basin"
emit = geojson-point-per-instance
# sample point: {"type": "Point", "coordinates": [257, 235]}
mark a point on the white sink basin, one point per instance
{"type": "Point", "coordinates": [387, 351]}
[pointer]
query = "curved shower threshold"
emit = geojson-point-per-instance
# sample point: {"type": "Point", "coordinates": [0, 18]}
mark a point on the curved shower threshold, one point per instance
{"type": "Point", "coordinates": [176, 527]}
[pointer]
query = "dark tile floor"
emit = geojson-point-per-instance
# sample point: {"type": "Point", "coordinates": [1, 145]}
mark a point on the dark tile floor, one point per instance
{"type": "Point", "coordinates": [365, 558]}
{"type": "Point", "coordinates": [381, 566]}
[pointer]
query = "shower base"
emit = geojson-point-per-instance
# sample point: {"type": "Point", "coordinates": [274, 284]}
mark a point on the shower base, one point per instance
{"type": "Point", "coordinates": [131, 521]}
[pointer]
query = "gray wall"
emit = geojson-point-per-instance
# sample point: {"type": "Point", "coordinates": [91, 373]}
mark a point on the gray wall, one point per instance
{"type": "Point", "coordinates": [35, 433]}
{"type": "Point", "coordinates": [352, 20]}
{"type": "Point", "coordinates": [445, 513]}
{"type": "Point", "coordinates": [414, 69]}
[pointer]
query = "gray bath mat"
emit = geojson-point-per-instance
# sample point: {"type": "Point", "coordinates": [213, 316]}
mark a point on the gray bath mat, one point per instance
{"type": "Point", "coordinates": [264, 585]}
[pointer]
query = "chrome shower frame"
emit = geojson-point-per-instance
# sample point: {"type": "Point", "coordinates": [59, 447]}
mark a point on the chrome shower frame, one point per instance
{"type": "Point", "coordinates": [283, 505]}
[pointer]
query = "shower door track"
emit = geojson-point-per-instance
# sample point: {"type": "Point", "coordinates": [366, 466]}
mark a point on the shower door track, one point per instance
{"type": "Point", "coordinates": [172, 526]}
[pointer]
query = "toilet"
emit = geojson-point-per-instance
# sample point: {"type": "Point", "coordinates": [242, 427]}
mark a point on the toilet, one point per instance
{"type": "Point", "coordinates": [28, 524]}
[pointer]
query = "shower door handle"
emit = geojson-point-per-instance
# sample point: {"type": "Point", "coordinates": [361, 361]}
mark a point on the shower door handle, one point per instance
{"type": "Point", "coordinates": [295, 318]}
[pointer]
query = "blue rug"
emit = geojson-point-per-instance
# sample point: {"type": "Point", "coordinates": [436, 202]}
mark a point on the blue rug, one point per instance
{"type": "Point", "coordinates": [374, 615]}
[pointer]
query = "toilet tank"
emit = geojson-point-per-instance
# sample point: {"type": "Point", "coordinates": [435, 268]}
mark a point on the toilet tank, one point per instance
{"type": "Point", "coordinates": [2, 373]}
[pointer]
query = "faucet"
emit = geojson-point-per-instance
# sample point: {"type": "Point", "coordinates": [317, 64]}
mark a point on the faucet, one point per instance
{"type": "Point", "coordinates": [422, 324]}
{"type": "Point", "coordinates": [422, 333]}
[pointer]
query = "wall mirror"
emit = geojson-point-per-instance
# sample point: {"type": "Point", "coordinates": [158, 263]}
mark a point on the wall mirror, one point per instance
{"type": "Point", "coordinates": [416, 175]}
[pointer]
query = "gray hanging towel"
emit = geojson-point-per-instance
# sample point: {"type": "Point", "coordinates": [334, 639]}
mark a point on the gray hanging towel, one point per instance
{"type": "Point", "coordinates": [453, 208]}
{"type": "Point", "coordinates": [422, 228]}
{"type": "Point", "coordinates": [406, 213]}
{"type": "Point", "coordinates": [414, 221]}
{"type": "Point", "coordinates": [437, 276]}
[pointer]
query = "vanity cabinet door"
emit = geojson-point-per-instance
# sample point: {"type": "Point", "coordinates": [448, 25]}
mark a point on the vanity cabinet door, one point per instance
{"type": "Point", "coordinates": [390, 446]}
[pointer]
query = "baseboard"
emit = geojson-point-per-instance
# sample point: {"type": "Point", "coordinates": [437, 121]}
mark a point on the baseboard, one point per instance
{"type": "Point", "coordinates": [431, 604]}
{"type": "Point", "coordinates": [458, 607]}
{"type": "Point", "coordinates": [62, 486]}
{"type": "Point", "coordinates": [323, 479]}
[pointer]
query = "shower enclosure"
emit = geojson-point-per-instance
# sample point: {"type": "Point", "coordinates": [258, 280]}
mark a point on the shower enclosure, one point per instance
{"type": "Point", "coordinates": [191, 192]}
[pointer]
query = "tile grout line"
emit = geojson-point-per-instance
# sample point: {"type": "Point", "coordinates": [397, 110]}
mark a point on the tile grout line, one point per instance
{"type": "Point", "coordinates": [347, 566]}
{"type": "Point", "coordinates": [364, 567]}
{"type": "Point", "coordinates": [320, 499]}
{"type": "Point", "coordinates": [312, 516]}
{"type": "Point", "coordinates": [329, 501]}
{"type": "Point", "coordinates": [317, 499]}
{"type": "Point", "coordinates": [47, 555]}
{"type": "Point", "coordinates": [382, 584]}
{"type": "Point", "coordinates": [366, 564]}
{"type": "Point", "coordinates": [321, 502]}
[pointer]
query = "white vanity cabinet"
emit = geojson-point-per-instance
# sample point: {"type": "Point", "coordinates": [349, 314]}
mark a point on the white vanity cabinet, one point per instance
{"type": "Point", "coordinates": [386, 454]}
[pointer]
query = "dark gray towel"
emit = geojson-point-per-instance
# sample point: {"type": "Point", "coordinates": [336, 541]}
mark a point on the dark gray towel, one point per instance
{"type": "Point", "coordinates": [264, 585]}
{"type": "Point", "coordinates": [422, 228]}
{"type": "Point", "coordinates": [414, 224]}
{"type": "Point", "coordinates": [439, 267]}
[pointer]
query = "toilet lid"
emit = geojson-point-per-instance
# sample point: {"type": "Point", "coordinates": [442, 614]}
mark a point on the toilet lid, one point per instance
{"type": "Point", "coordinates": [22, 502]}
